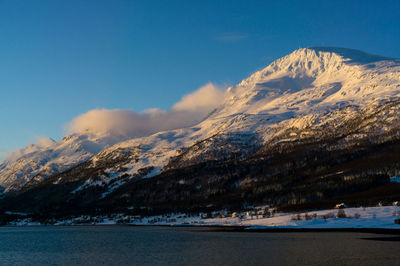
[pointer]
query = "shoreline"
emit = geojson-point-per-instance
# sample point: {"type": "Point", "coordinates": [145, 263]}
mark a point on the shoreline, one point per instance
{"type": "Point", "coordinates": [373, 219]}
{"type": "Point", "coordinates": [222, 228]}
{"type": "Point", "coordinates": [249, 229]}
{"type": "Point", "coordinates": [234, 229]}
{"type": "Point", "coordinates": [307, 230]}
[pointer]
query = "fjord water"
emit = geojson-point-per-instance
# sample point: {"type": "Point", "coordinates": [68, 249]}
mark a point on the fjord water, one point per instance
{"type": "Point", "coordinates": [125, 245]}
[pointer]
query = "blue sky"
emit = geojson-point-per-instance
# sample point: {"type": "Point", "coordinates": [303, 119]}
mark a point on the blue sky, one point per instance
{"type": "Point", "coordinates": [59, 59]}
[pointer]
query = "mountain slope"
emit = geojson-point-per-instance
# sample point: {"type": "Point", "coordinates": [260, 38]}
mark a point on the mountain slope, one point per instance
{"type": "Point", "coordinates": [311, 87]}
{"type": "Point", "coordinates": [48, 157]}
{"type": "Point", "coordinates": [306, 128]}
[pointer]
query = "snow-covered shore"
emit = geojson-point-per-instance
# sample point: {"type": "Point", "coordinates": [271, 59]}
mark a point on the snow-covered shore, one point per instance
{"type": "Point", "coordinates": [369, 217]}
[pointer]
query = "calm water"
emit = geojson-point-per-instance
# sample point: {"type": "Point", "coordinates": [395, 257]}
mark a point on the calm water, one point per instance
{"type": "Point", "coordinates": [124, 245]}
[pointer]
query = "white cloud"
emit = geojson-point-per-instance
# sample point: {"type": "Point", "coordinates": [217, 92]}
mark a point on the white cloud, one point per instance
{"type": "Point", "coordinates": [203, 100]}
{"type": "Point", "coordinates": [116, 125]}
{"type": "Point", "coordinates": [190, 110]}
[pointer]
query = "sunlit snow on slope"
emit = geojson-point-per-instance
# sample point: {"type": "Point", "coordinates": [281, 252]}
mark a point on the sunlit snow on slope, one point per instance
{"type": "Point", "coordinates": [47, 157]}
{"type": "Point", "coordinates": [300, 90]}
{"type": "Point", "coordinates": [316, 88]}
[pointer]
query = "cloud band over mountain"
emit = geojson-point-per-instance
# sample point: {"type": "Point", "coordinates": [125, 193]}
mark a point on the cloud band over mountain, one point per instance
{"type": "Point", "coordinates": [117, 124]}
{"type": "Point", "coordinates": [191, 109]}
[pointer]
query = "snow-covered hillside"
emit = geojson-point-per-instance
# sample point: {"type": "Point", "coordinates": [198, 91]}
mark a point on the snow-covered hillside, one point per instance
{"type": "Point", "coordinates": [310, 90]}
{"type": "Point", "coordinates": [309, 93]}
{"type": "Point", "coordinates": [38, 161]}
{"type": "Point", "coordinates": [314, 80]}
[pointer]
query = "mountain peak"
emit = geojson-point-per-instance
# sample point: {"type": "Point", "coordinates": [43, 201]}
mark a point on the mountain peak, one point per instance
{"type": "Point", "coordinates": [323, 58]}
{"type": "Point", "coordinates": [313, 61]}
{"type": "Point", "coordinates": [315, 79]}
{"type": "Point", "coordinates": [352, 55]}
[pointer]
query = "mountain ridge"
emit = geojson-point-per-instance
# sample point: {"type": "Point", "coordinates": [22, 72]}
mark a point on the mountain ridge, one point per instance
{"type": "Point", "coordinates": [344, 102]}
{"type": "Point", "coordinates": [283, 82]}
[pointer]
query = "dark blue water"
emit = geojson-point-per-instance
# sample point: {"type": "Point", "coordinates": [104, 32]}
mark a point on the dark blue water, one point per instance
{"type": "Point", "coordinates": [125, 245]}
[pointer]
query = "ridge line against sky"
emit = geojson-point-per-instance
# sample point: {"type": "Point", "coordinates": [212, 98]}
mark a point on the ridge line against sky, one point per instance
{"type": "Point", "coordinates": [61, 59]}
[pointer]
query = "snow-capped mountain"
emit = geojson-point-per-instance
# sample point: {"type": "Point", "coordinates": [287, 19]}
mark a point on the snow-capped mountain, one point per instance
{"type": "Point", "coordinates": [312, 88]}
{"type": "Point", "coordinates": [47, 157]}
{"type": "Point", "coordinates": [318, 112]}
{"type": "Point", "coordinates": [314, 80]}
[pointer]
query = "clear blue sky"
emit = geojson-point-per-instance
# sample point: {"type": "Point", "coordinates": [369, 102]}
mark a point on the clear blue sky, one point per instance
{"type": "Point", "coordinates": [59, 59]}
